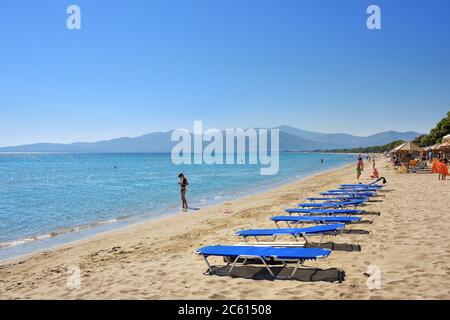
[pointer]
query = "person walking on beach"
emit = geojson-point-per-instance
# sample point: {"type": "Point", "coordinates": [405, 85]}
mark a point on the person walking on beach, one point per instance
{"type": "Point", "coordinates": [183, 184]}
{"type": "Point", "coordinates": [374, 170]}
{"type": "Point", "coordinates": [359, 168]}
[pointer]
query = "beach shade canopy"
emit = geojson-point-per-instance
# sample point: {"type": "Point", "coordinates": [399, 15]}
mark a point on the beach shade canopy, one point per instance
{"type": "Point", "coordinates": [435, 146]}
{"type": "Point", "coordinates": [446, 138]}
{"type": "Point", "coordinates": [397, 147]}
{"type": "Point", "coordinates": [428, 148]}
{"type": "Point", "coordinates": [442, 146]}
{"type": "Point", "coordinates": [408, 147]}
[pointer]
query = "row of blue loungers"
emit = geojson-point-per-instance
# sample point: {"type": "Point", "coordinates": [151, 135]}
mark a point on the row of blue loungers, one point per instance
{"type": "Point", "coordinates": [330, 212]}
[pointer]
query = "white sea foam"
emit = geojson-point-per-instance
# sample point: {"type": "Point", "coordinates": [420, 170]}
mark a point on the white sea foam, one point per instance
{"type": "Point", "coordinates": [41, 237]}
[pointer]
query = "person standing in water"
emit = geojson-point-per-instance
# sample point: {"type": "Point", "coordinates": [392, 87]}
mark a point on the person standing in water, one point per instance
{"type": "Point", "coordinates": [183, 184]}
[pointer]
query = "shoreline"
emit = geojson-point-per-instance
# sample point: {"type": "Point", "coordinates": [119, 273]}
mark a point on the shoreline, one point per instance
{"type": "Point", "coordinates": [104, 227]}
{"type": "Point", "coordinates": [156, 260]}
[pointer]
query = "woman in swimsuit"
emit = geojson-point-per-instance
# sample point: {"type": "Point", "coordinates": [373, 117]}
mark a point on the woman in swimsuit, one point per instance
{"type": "Point", "coordinates": [183, 183]}
{"type": "Point", "coordinates": [359, 168]}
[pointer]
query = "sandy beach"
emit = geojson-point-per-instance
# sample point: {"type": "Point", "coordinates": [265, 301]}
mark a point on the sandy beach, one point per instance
{"type": "Point", "coordinates": [409, 243]}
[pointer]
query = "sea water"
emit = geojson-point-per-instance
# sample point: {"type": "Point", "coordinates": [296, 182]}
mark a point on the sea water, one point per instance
{"type": "Point", "coordinates": [49, 199]}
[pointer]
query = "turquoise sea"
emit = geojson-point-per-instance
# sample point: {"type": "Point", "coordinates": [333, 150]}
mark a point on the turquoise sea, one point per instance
{"type": "Point", "coordinates": [50, 199]}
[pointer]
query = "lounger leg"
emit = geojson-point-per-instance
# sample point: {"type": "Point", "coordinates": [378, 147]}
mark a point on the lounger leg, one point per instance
{"type": "Point", "coordinates": [305, 238]}
{"type": "Point", "coordinates": [321, 239]}
{"type": "Point", "coordinates": [267, 267]}
{"type": "Point", "coordinates": [245, 260]}
{"type": "Point", "coordinates": [209, 266]}
{"type": "Point", "coordinates": [299, 264]}
{"type": "Point", "coordinates": [233, 264]}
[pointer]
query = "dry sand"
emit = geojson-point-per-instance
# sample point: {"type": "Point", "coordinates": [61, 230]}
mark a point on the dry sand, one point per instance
{"type": "Point", "coordinates": [409, 243]}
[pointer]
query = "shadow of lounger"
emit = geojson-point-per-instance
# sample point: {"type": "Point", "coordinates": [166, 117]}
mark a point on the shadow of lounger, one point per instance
{"type": "Point", "coordinates": [363, 222]}
{"type": "Point", "coordinates": [347, 247]}
{"type": "Point", "coordinates": [260, 273]}
{"type": "Point", "coordinates": [355, 231]}
{"type": "Point", "coordinates": [370, 213]}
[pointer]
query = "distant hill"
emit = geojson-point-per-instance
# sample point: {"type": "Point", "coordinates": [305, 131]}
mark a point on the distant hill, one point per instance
{"type": "Point", "coordinates": [344, 140]}
{"type": "Point", "coordinates": [291, 139]}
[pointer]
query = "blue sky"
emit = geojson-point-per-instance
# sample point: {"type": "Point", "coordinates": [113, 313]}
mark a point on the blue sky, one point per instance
{"type": "Point", "coordinates": [142, 66]}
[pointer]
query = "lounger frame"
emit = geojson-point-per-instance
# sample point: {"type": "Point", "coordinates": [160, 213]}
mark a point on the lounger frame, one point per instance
{"type": "Point", "coordinates": [296, 236]}
{"type": "Point", "coordinates": [233, 262]}
{"type": "Point", "coordinates": [302, 223]}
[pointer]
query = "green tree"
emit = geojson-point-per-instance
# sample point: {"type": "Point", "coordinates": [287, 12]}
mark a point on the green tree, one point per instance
{"type": "Point", "coordinates": [375, 149]}
{"type": "Point", "coordinates": [435, 136]}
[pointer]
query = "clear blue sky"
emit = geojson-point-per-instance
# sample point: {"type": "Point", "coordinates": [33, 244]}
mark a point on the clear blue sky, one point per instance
{"type": "Point", "coordinates": [142, 66]}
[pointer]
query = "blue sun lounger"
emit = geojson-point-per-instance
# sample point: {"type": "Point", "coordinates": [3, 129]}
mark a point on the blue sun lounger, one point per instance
{"type": "Point", "coordinates": [314, 219]}
{"type": "Point", "coordinates": [351, 194]}
{"type": "Point", "coordinates": [360, 189]}
{"type": "Point", "coordinates": [337, 204]}
{"type": "Point", "coordinates": [371, 184]}
{"type": "Point", "coordinates": [323, 211]}
{"type": "Point", "coordinates": [360, 186]}
{"type": "Point", "coordinates": [266, 255]}
{"type": "Point", "coordinates": [340, 198]}
{"type": "Point", "coordinates": [352, 191]}
{"type": "Point", "coordinates": [321, 230]}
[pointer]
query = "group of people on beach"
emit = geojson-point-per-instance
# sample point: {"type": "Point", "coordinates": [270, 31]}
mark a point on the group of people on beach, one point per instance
{"type": "Point", "coordinates": [360, 167]}
{"type": "Point", "coordinates": [419, 163]}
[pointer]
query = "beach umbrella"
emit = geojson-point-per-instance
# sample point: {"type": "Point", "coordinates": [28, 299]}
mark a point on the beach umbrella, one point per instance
{"type": "Point", "coordinates": [409, 147]}
{"type": "Point", "coordinates": [444, 145]}
{"type": "Point", "coordinates": [441, 146]}
{"type": "Point", "coordinates": [435, 146]}
{"type": "Point", "coordinates": [446, 138]}
{"type": "Point", "coordinates": [397, 147]}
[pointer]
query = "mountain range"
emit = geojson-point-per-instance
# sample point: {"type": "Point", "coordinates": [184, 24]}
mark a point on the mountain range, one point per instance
{"type": "Point", "coordinates": [291, 139]}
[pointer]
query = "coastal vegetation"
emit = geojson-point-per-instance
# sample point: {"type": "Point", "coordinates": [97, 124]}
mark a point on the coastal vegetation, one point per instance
{"type": "Point", "coordinates": [374, 149]}
{"type": "Point", "coordinates": [441, 129]}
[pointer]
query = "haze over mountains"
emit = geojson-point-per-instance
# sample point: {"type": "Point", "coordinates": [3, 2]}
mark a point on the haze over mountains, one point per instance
{"type": "Point", "coordinates": [291, 139]}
